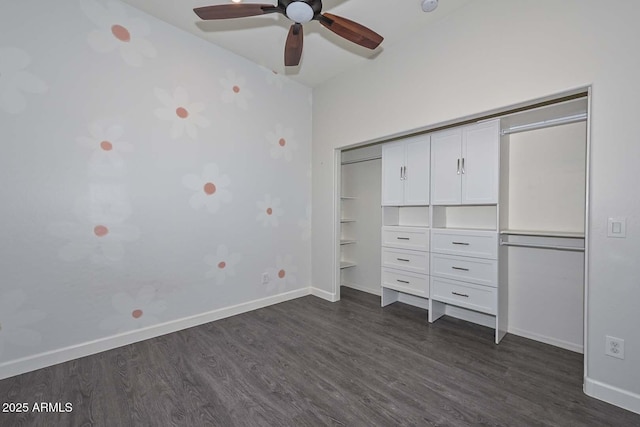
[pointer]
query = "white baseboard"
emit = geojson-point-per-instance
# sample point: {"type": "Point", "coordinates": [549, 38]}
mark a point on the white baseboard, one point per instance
{"type": "Point", "coordinates": [614, 395]}
{"type": "Point", "coordinates": [578, 348]}
{"type": "Point", "coordinates": [357, 287]}
{"type": "Point", "coordinates": [42, 360]}
{"type": "Point", "coordinates": [324, 295]}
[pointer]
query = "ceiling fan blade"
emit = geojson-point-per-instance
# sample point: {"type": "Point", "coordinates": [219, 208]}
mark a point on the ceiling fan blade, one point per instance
{"type": "Point", "coordinates": [227, 11]}
{"type": "Point", "coordinates": [293, 47]}
{"type": "Point", "coordinates": [351, 31]}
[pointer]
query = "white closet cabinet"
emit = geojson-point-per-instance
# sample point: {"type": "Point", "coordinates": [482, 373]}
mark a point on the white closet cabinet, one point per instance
{"type": "Point", "coordinates": [405, 172]}
{"type": "Point", "coordinates": [464, 165]}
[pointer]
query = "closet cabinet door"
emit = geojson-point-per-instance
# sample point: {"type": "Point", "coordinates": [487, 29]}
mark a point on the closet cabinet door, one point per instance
{"type": "Point", "coordinates": [481, 157]}
{"type": "Point", "coordinates": [416, 183]}
{"type": "Point", "coordinates": [446, 167]}
{"type": "Point", "coordinates": [392, 174]}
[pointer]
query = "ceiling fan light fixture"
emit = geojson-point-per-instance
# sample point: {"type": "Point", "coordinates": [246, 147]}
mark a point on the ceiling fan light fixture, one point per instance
{"type": "Point", "coordinates": [429, 5]}
{"type": "Point", "coordinates": [299, 12]}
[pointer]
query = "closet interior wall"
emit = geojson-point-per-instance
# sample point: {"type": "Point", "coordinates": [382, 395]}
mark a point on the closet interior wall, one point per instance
{"type": "Point", "coordinates": [360, 205]}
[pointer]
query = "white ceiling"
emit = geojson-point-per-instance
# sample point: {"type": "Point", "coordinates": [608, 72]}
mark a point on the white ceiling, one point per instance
{"type": "Point", "coordinates": [261, 39]}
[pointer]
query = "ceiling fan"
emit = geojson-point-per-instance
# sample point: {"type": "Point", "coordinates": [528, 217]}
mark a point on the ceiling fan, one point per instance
{"type": "Point", "coordinates": [300, 12]}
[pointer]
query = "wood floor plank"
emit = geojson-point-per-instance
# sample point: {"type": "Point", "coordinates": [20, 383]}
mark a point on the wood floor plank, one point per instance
{"type": "Point", "coordinates": [308, 362]}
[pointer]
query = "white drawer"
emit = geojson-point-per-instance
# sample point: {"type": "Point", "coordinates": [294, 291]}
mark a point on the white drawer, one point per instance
{"type": "Point", "coordinates": [467, 295]}
{"type": "Point", "coordinates": [473, 243]}
{"type": "Point", "coordinates": [404, 281]}
{"type": "Point", "coordinates": [404, 259]}
{"type": "Point", "coordinates": [476, 270]}
{"type": "Point", "coordinates": [416, 238]}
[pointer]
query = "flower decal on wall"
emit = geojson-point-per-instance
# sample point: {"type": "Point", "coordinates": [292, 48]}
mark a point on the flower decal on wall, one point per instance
{"type": "Point", "coordinates": [106, 144]}
{"type": "Point", "coordinates": [15, 80]}
{"type": "Point", "coordinates": [234, 90]}
{"type": "Point", "coordinates": [134, 312]}
{"type": "Point", "coordinates": [269, 211]}
{"type": "Point", "coordinates": [282, 143]}
{"type": "Point", "coordinates": [223, 263]}
{"type": "Point", "coordinates": [118, 32]}
{"type": "Point", "coordinates": [282, 274]}
{"type": "Point", "coordinates": [210, 188]}
{"type": "Point", "coordinates": [305, 224]}
{"type": "Point", "coordinates": [14, 321]}
{"type": "Point", "coordinates": [184, 115]}
{"type": "Point", "coordinates": [99, 235]}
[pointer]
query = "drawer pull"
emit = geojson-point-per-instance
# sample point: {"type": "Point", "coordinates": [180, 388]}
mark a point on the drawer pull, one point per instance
{"type": "Point", "coordinates": [402, 259]}
{"type": "Point", "coordinates": [460, 295]}
{"type": "Point", "coordinates": [402, 281]}
{"type": "Point", "coordinates": [460, 243]}
{"type": "Point", "coordinates": [403, 238]}
{"type": "Point", "coordinates": [460, 268]}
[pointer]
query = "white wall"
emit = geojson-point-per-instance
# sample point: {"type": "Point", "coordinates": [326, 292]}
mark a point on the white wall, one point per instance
{"type": "Point", "coordinates": [107, 147]}
{"type": "Point", "coordinates": [547, 178]}
{"type": "Point", "coordinates": [492, 54]}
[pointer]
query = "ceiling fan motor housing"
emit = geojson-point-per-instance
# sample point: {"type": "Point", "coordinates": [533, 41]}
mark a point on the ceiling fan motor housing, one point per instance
{"type": "Point", "coordinates": [301, 11]}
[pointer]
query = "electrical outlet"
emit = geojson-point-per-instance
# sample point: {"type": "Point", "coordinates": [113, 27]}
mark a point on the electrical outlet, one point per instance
{"type": "Point", "coordinates": [614, 347]}
{"type": "Point", "coordinates": [265, 278]}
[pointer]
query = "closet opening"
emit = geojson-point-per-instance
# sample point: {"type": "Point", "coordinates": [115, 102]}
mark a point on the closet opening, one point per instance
{"type": "Point", "coordinates": [524, 205]}
{"type": "Point", "coordinates": [359, 213]}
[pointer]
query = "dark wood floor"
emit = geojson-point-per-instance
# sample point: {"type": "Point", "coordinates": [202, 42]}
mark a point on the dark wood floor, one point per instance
{"type": "Point", "coordinates": [308, 362]}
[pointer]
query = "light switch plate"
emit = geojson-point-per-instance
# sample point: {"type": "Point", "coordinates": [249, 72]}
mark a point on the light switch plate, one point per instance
{"type": "Point", "coordinates": [617, 227]}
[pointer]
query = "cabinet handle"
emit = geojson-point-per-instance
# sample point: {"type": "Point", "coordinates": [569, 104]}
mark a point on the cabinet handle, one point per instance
{"type": "Point", "coordinates": [402, 281]}
{"type": "Point", "coordinates": [463, 165]}
{"type": "Point", "coordinates": [401, 177]}
{"type": "Point", "coordinates": [460, 268]}
{"type": "Point", "coordinates": [458, 171]}
{"type": "Point", "coordinates": [404, 173]}
{"type": "Point", "coordinates": [403, 238]}
{"type": "Point", "coordinates": [460, 295]}
{"type": "Point", "coordinates": [460, 243]}
{"type": "Point", "coordinates": [402, 259]}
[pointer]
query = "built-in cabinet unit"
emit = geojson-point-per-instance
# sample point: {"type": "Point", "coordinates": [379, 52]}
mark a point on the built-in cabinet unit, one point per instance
{"type": "Point", "coordinates": [405, 233]}
{"type": "Point", "coordinates": [405, 172]}
{"type": "Point", "coordinates": [440, 220]}
{"type": "Point", "coordinates": [464, 165]}
{"type": "Point", "coordinates": [464, 236]}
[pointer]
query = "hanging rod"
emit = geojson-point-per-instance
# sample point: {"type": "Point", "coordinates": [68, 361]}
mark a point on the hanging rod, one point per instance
{"type": "Point", "coordinates": [533, 245]}
{"type": "Point", "coordinates": [366, 159]}
{"type": "Point", "coordinates": [545, 124]}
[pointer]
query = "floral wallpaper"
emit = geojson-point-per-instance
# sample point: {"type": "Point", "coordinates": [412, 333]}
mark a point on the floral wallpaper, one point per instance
{"type": "Point", "coordinates": [147, 176]}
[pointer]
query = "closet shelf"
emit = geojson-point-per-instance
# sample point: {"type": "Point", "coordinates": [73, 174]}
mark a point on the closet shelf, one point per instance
{"type": "Point", "coordinates": [347, 264]}
{"type": "Point", "coordinates": [465, 228]}
{"type": "Point", "coordinates": [346, 241]}
{"type": "Point", "coordinates": [540, 233]}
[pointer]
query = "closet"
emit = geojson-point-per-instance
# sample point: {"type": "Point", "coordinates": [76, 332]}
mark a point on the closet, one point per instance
{"type": "Point", "coordinates": [484, 221]}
